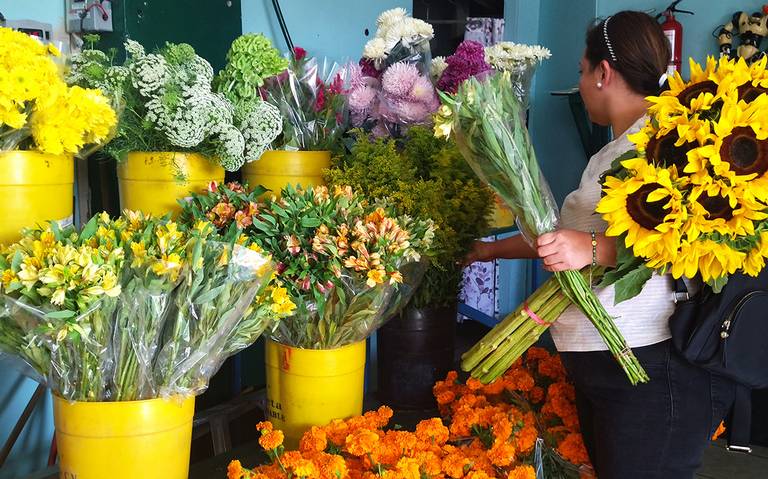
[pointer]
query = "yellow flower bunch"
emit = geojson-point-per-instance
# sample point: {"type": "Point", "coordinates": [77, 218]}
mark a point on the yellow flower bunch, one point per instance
{"type": "Point", "coordinates": [693, 196]}
{"type": "Point", "coordinates": [34, 100]}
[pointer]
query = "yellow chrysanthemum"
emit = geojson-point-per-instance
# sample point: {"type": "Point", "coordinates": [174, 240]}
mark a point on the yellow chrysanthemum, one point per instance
{"type": "Point", "coordinates": [647, 207]}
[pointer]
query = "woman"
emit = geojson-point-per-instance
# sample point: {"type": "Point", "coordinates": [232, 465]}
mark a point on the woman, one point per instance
{"type": "Point", "coordinates": [654, 430]}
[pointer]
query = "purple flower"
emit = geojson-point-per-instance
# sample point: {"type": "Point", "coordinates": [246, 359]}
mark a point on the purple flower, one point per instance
{"type": "Point", "coordinates": [468, 61]}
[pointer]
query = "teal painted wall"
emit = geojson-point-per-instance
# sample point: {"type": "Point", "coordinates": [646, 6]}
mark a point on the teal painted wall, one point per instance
{"type": "Point", "coordinates": [331, 28]}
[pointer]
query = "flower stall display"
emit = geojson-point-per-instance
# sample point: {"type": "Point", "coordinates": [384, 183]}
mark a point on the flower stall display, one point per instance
{"type": "Point", "coordinates": [423, 177]}
{"type": "Point", "coordinates": [43, 124]}
{"type": "Point", "coordinates": [391, 88]}
{"type": "Point", "coordinates": [175, 133]}
{"type": "Point", "coordinates": [522, 426]}
{"type": "Point", "coordinates": [127, 319]}
{"type": "Point", "coordinates": [691, 198]}
{"type": "Point", "coordinates": [484, 118]}
{"type": "Point", "coordinates": [346, 265]}
{"type": "Point", "coordinates": [310, 96]}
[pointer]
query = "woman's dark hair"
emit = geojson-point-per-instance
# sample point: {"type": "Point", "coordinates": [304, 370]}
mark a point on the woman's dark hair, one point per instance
{"type": "Point", "coordinates": [634, 44]}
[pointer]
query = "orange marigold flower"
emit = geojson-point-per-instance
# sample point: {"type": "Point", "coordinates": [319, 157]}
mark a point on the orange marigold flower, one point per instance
{"type": "Point", "coordinates": [474, 384]}
{"type": "Point", "coordinates": [445, 397]}
{"type": "Point", "coordinates": [454, 465]}
{"type": "Point", "coordinates": [522, 472]}
{"type": "Point", "coordinates": [271, 440]}
{"type": "Point", "coordinates": [408, 468]}
{"type": "Point", "coordinates": [305, 468]}
{"type": "Point", "coordinates": [234, 470]}
{"type": "Point", "coordinates": [362, 442]}
{"type": "Point", "coordinates": [573, 450]}
{"type": "Point", "coordinates": [552, 368]}
{"type": "Point", "coordinates": [478, 475]}
{"type": "Point", "coordinates": [432, 431]}
{"type": "Point", "coordinates": [330, 466]}
{"type": "Point", "coordinates": [430, 463]}
{"type": "Point", "coordinates": [264, 426]}
{"type": "Point", "coordinates": [526, 438]}
{"type": "Point", "coordinates": [502, 454]}
{"type": "Point", "coordinates": [494, 388]}
{"type": "Point", "coordinates": [536, 394]}
{"type": "Point", "coordinates": [314, 440]}
{"type": "Point", "coordinates": [535, 354]}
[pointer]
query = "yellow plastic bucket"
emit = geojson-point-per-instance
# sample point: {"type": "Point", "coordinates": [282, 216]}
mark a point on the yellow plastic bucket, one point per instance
{"type": "Point", "coordinates": [34, 188]}
{"type": "Point", "coordinates": [310, 387]}
{"type": "Point", "coordinates": [124, 440]}
{"type": "Point", "coordinates": [276, 169]}
{"type": "Point", "coordinates": [153, 182]}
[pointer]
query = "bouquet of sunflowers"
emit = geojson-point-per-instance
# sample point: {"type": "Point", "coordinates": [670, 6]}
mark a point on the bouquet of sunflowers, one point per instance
{"type": "Point", "coordinates": [347, 266]}
{"type": "Point", "coordinates": [691, 198]}
{"type": "Point", "coordinates": [38, 111]}
{"type": "Point", "coordinates": [132, 308]}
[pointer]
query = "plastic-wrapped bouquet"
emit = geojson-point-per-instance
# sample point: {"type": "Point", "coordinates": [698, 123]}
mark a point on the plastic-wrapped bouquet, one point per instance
{"type": "Point", "coordinates": [346, 266]}
{"type": "Point", "coordinates": [168, 103]}
{"type": "Point", "coordinates": [391, 88]}
{"type": "Point", "coordinates": [311, 100]}
{"type": "Point", "coordinates": [38, 111]}
{"type": "Point", "coordinates": [132, 308]}
{"type": "Point", "coordinates": [520, 61]}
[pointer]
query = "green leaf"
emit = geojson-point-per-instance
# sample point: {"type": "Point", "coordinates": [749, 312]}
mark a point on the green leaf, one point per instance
{"type": "Point", "coordinates": [16, 261]}
{"type": "Point", "coordinates": [632, 283]}
{"type": "Point", "coordinates": [64, 314]}
{"type": "Point", "coordinates": [56, 230]}
{"type": "Point", "coordinates": [210, 295]}
{"type": "Point", "coordinates": [718, 284]}
{"type": "Point", "coordinates": [90, 228]}
{"type": "Point", "coordinates": [311, 222]}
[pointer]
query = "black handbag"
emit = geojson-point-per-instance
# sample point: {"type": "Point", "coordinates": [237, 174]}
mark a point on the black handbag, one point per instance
{"type": "Point", "coordinates": [726, 333]}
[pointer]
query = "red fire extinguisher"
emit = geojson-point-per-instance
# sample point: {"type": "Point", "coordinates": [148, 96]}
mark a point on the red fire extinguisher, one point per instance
{"type": "Point", "coordinates": [674, 32]}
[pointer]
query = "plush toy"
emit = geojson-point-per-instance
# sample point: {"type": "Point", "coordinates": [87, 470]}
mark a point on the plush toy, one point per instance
{"type": "Point", "coordinates": [752, 28]}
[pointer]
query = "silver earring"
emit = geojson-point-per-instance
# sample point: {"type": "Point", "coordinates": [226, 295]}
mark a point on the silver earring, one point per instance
{"type": "Point", "coordinates": [599, 84]}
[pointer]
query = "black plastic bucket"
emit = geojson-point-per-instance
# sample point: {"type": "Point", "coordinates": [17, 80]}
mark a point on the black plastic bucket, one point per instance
{"type": "Point", "coordinates": [415, 350]}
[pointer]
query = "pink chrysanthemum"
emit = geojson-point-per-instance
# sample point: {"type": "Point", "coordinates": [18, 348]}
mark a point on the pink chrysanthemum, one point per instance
{"type": "Point", "coordinates": [398, 79]}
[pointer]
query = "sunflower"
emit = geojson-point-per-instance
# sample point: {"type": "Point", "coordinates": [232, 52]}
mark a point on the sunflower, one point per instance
{"type": "Point", "coordinates": [647, 207]}
{"type": "Point", "coordinates": [721, 211]}
{"type": "Point", "coordinates": [755, 259]}
{"type": "Point", "coordinates": [711, 259]}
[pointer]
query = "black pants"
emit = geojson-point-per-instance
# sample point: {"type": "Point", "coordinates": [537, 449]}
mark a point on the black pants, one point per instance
{"type": "Point", "coordinates": [656, 430]}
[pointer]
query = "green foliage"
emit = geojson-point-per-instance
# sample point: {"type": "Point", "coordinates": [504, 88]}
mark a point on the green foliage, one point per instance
{"type": "Point", "coordinates": [426, 178]}
{"type": "Point", "coordinates": [250, 60]}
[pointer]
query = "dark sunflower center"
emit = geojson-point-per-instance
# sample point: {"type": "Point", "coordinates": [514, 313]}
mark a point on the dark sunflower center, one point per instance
{"type": "Point", "coordinates": [692, 92]}
{"type": "Point", "coordinates": [749, 92]}
{"type": "Point", "coordinates": [647, 214]}
{"type": "Point", "coordinates": [717, 207]}
{"type": "Point", "coordinates": [744, 152]}
{"type": "Point", "coordinates": [663, 152]}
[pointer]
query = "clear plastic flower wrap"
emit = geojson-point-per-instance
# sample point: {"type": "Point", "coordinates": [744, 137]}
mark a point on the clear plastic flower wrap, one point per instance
{"type": "Point", "coordinates": [310, 98]}
{"type": "Point", "coordinates": [348, 313]}
{"type": "Point", "coordinates": [209, 307]}
{"type": "Point", "coordinates": [71, 353]}
{"type": "Point", "coordinates": [132, 308]}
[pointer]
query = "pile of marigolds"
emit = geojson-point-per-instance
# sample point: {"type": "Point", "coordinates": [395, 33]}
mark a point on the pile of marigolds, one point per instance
{"type": "Point", "coordinates": [524, 421]}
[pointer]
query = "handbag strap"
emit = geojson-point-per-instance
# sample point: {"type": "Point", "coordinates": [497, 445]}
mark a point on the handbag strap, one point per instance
{"type": "Point", "coordinates": [739, 421]}
{"type": "Point", "coordinates": [681, 290]}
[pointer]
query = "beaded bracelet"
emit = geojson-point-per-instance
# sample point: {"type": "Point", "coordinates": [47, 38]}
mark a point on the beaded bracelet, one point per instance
{"type": "Point", "coordinates": [594, 254]}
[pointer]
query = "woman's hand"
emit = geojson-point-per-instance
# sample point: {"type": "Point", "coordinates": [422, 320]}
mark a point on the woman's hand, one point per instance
{"type": "Point", "coordinates": [481, 251]}
{"type": "Point", "coordinates": [565, 249]}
